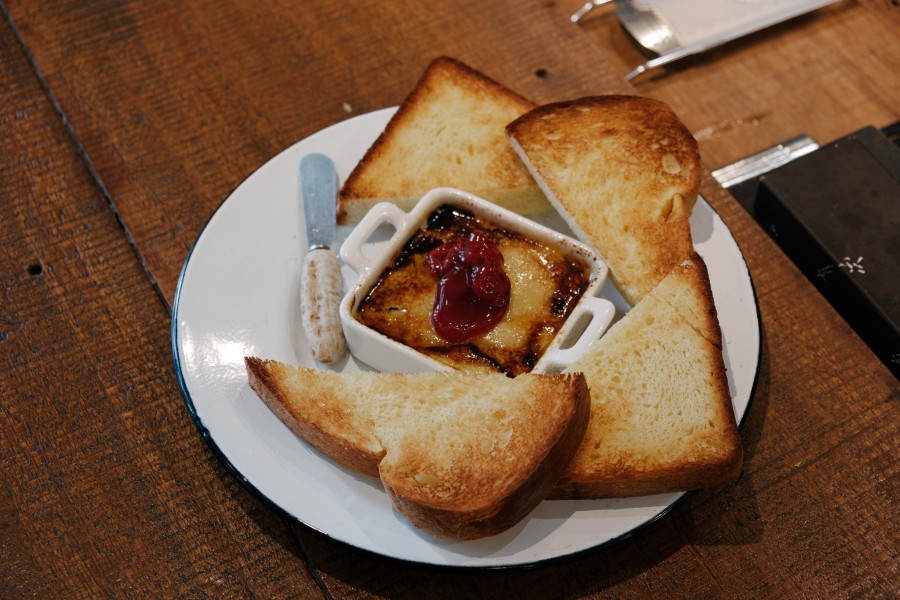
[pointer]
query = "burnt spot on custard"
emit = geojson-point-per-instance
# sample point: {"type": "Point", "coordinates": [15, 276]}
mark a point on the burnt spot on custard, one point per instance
{"type": "Point", "coordinates": [399, 304]}
{"type": "Point", "coordinates": [447, 217]}
{"type": "Point", "coordinates": [467, 357]}
{"type": "Point", "coordinates": [421, 243]}
{"type": "Point", "coordinates": [572, 285]}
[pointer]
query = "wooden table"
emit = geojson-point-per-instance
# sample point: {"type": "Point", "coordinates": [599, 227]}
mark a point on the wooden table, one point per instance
{"type": "Point", "coordinates": [123, 125]}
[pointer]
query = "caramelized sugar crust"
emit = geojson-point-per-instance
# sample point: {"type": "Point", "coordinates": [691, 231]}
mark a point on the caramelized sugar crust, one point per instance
{"type": "Point", "coordinates": [545, 285]}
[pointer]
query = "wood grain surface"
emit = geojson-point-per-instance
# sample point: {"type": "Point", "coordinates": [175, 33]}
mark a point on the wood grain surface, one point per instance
{"type": "Point", "coordinates": [175, 104]}
{"type": "Point", "coordinates": [108, 487]}
{"type": "Point", "coordinates": [123, 125]}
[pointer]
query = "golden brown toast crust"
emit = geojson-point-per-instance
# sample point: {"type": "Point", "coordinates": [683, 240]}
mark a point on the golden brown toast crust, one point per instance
{"type": "Point", "coordinates": [624, 171]}
{"type": "Point", "coordinates": [448, 131]}
{"type": "Point", "coordinates": [486, 508]}
{"type": "Point", "coordinates": [623, 454]}
{"type": "Point", "coordinates": [350, 444]}
{"type": "Point", "coordinates": [461, 457]}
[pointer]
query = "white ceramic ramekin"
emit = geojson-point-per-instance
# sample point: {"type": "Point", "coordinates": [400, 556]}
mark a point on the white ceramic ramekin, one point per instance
{"type": "Point", "coordinates": [585, 324]}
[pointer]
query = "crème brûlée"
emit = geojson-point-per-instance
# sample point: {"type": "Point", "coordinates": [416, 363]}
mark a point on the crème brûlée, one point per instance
{"type": "Point", "coordinates": [545, 284]}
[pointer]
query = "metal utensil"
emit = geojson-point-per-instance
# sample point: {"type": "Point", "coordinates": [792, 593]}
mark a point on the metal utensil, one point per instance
{"type": "Point", "coordinates": [764, 161]}
{"type": "Point", "coordinates": [652, 31]}
{"type": "Point", "coordinates": [648, 27]}
{"type": "Point", "coordinates": [674, 29]}
{"type": "Point", "coordinates": [321, 282]}
{"type": "Point", "coordinates": [586, 8]}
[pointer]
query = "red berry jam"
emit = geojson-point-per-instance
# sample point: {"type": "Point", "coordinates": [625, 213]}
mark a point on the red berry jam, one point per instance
{"type": "Point", "coordinates": [472, 290]}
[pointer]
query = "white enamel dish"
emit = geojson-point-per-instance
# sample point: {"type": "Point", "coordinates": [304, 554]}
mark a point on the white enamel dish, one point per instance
{"type": "Point", "coordinates": [238, 295]}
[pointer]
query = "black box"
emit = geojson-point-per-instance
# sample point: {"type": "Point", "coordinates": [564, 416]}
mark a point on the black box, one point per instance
{"type": "Point", "coordinates": [836, 213]}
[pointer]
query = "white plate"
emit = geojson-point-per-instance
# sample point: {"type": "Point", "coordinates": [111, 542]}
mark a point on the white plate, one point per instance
{"type": "Point", "coordinates": [237, 296]}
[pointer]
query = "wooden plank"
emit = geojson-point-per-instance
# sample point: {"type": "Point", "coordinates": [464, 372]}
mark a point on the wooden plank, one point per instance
{"type": "Point", "coordinates": [108, 489]}
{"type": "Point", "coordinates": [176, 103]}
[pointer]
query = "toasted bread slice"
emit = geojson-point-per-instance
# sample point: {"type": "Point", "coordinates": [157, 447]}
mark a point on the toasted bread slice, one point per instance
{"type": "Point", "coordinates": [460, 456]}
{"type": "Point", "coordinates": [624, 173]}
{"type": "Point", "coordinates": [661, 413]}
{"type": "Point", "coordinates": [449, 131]}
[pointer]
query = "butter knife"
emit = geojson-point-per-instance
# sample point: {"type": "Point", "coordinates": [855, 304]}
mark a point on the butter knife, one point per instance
{"type": "Point", "coordinates": [321, 282]}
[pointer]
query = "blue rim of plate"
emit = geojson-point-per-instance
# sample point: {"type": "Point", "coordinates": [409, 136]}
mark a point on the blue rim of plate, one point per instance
{"type": "Point", "coordinates": [207, 437]}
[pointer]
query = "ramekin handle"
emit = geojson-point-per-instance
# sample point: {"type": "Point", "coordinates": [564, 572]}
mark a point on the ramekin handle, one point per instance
{"type": "Point", "coordinates": [598, 313]}
{"type": "Point", "coordinates": [380, 214]}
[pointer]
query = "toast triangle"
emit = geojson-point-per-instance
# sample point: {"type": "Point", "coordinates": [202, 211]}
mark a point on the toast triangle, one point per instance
{"type": "Point", "coordinates": [661, 412]}
{"type": "Point", "coordinates": [448, 132]}
{"type": "Point", "coordinates": [462, 457]}
{"type": "Point", "coordinates": [624, 173]}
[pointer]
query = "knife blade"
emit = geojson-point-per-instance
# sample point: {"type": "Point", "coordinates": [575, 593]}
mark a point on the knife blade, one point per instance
{"type": "Point", "coordinates": [321, 282]}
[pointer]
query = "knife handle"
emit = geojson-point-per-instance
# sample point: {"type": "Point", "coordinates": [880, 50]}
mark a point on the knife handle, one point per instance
{"type": "Point", "coordinates": [321, 288]}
